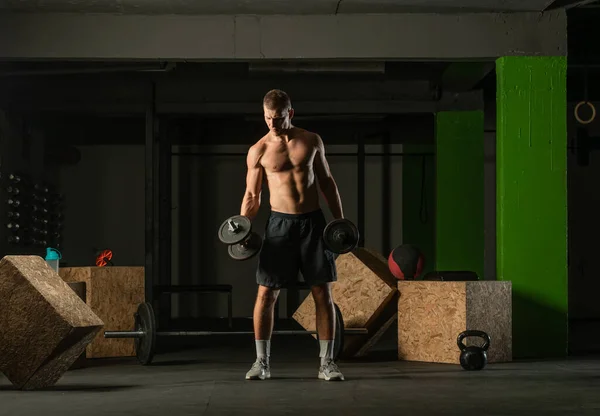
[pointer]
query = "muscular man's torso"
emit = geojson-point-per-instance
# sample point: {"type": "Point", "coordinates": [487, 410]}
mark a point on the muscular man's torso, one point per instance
{"type": "Point", "coordinates": [288, 171]}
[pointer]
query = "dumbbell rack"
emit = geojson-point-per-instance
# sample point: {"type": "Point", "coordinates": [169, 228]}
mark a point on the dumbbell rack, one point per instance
{"type": "Point", "coordinates": [32, 214]}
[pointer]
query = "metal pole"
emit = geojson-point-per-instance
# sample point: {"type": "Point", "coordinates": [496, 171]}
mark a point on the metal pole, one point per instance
{"type": "Point", "coordinates": [124, 334]}
{"type": "Point", "coordinates": [142, 334]}
{"type": "Point", "coordinates": [164, 220]}
{"type": "Point", "coordinates": [386, 202]}
{"type": "Point", "coordinates": [361, 190]}
{"type": "Point", "coordinates": [349, 331]}
{"type": "Point", "coordinates": [149, 184]}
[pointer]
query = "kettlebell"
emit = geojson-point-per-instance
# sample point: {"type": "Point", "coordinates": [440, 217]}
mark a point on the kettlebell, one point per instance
{"type": "Point", "coordinates": [473, 358]}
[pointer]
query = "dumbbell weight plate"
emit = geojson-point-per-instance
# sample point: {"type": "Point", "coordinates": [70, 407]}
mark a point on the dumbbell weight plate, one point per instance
{"type": "Point", "coordinates": [246, 251]}
{"type": "Point", "coordinates": [341, 236]}
{"type": "Point", "coordinates": [228, 236]}
{"type": "Point", "coordinates": [338, 347]}
{"type": "Point", "coordinates": [145, 322]}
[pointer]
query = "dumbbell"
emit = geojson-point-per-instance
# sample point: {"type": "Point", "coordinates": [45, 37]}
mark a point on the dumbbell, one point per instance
{"type": "Point", "coordinates": [341, 236]}
{"type": "Point", "coordinates": [237, 233]}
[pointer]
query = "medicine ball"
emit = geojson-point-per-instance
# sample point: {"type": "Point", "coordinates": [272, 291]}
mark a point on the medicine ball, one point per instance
{"type": "Point", "coordinates": [406, 262]}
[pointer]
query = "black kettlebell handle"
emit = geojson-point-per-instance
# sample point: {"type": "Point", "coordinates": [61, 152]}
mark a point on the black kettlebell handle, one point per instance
{"type": "Point", "coordinates": [473, 333]}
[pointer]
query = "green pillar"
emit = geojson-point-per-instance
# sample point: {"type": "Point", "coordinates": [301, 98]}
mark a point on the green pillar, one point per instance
{"type": "Point", "coordinates": [460, 191]}
{"type": "Point", "coordinates": [531, 218]}
{"type": "Point", "coordinates": [418, 200]}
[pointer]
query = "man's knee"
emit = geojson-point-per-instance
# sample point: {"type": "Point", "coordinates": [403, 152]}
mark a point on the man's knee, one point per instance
{"type": "Point", "coordinates": [266, 296]}
{"type": "Point", "coordinates": [322, 293]}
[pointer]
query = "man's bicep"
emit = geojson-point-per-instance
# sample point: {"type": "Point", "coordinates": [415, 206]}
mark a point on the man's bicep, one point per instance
{"type": "Point", "coordinates": [321, 164]}
{"type": "Point", "coordinates": [254, 174]}
{"type": "Point", "coordinates": [254, 180]}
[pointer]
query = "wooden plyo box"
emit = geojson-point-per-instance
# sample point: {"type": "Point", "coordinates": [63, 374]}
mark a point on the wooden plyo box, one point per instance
{"type": "Point", "coordinates": [432, 314]}
{"type": "Point", "coordinates": [364, 291]}
{"type": "Point", "coordinates": [79, 289]}
{"type": "Point", "coordinates": [44, 325]}
{"type": "Point", "coordinates": [114, 294]}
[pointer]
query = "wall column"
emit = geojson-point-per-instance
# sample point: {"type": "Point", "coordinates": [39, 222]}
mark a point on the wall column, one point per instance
{"type": "Point", "coordinates": [459, 226]}
{"type": "Point", "coordinates": [531, 217]}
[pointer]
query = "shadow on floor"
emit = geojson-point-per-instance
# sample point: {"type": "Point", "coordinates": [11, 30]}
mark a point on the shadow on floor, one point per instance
{"type": "Point", "coordinates": [178, 362]}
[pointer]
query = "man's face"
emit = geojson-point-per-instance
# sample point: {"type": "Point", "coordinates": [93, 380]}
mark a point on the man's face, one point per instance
{"type": "Point", "coordinates": [278, 121]}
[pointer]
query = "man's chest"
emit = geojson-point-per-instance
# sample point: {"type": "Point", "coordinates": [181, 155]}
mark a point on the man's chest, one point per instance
{"type": "Point", "coordinates": [287, 157]}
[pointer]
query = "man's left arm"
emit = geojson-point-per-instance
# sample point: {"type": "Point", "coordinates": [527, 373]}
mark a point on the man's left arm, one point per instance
{"type": "Point", "coordinates": [326, 182]}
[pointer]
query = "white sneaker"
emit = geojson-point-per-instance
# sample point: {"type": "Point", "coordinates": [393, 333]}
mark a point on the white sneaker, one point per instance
{"type": "Point", "coordinates": [260, 370]}
{"type": "Point", "coordinates": [330, 372]}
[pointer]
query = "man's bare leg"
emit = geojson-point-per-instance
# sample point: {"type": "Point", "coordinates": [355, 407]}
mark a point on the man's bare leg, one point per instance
{"type": "Point", "coordinates": [324, 310]}
{"type": "Point", "coordinates": [264, 312]}
{"type": "Point", "coordinates": [264, 318]}
{"type": "Point", "coordinates": [326, 329]}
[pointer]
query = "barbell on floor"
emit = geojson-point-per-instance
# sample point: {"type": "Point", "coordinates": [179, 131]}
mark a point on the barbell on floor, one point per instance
{"type": "Point", "coordinates": [145, 333]}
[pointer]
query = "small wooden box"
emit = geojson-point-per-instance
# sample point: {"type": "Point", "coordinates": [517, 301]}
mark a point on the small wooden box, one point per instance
{"type": "Point", "coordinates": [114, 294]}
{"type": "Point", "coordinates": [432, 314]}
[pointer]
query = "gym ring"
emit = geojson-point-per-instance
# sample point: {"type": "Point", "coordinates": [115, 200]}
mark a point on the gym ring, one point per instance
{"type": "Point", "coordinates": [589, 104]}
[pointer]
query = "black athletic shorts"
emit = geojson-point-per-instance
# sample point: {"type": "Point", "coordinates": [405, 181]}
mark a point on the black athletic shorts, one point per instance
{"type": "Point", "coordinates": [294, 243]}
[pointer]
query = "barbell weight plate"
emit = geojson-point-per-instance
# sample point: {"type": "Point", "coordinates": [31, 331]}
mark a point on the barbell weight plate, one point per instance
{"type": "Point", "coordinates": [246, 251]}
{"type": "Point", "coordinates": [338, 347]}
{"type": "Point", "coordinates": [338, 336]}
{"type": "Point", "coordinates": [244, 228]}
{"type": "Point", "coordinates": [145, 322]}
{"type": "Point", "coordinates": [341, 236]}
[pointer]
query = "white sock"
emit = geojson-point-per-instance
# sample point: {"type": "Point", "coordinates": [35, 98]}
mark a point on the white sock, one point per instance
{"type": "Point", "coordinates": [263, 349]}
{"type": "Point", "coordinates": [326, 353]}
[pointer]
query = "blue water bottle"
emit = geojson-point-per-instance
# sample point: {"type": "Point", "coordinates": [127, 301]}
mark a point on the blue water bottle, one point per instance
{"type": "Point", "coordinates": [52, 258]}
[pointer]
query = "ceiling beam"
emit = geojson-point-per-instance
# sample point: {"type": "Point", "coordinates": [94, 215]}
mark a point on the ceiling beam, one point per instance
{"type": "Point", "coordinates": [441, 37]}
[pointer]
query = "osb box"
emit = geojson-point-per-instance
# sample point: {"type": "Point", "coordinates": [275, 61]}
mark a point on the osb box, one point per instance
{"type": "Point", "coordinates": [114, 294]}
{"type": "Point", "coordinates": [79, 289]}
{"type": "Point", "coordinates": [363, 289]}
{"type": "Point", "coordinates": [44, 325]}
{"type": "Point", "coordinates": [432, 314]}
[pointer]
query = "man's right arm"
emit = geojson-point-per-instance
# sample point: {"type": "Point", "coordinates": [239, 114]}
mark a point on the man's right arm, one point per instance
{"type": "Point", "coordinates": [254, 177]}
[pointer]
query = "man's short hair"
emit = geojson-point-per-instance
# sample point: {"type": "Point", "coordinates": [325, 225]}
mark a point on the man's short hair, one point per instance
{"type": "Point", "coordinates": [277, 100]}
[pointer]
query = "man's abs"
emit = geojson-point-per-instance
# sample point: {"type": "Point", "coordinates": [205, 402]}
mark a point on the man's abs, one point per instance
{"type": "Point", "coordinates": [293, 192]}
{"type": "Point", "coordinates": [289, 173]}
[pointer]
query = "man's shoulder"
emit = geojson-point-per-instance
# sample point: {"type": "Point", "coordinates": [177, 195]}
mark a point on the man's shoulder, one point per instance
{"type": "Point", "coordinates": [259, 147]}
{"type": "Point", "coordinates": [260, 143]}
{"type": "Point", "coordinates": [308, 135]}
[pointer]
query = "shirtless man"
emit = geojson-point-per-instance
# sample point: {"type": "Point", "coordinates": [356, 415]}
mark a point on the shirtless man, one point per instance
{"type": "Point", "coordinates": [292, 161]}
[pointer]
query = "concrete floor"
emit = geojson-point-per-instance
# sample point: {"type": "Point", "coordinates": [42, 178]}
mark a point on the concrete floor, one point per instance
{"type": "Point", "coordinates": [209, 380]}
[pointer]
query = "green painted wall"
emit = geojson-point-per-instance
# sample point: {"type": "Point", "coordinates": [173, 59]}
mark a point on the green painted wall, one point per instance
{"type": "Point", "coordinates": [460, 208]}
{"type": "Point", "coordinates": [418, 201]}
{"type": "Point", "coordinates": [531, 217]}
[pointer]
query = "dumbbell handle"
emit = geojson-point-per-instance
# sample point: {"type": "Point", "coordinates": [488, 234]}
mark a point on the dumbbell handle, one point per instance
{"type": "Point", "coordinates": [340, 236]}
{"type": "Point", "coordinates": [233, 227]}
